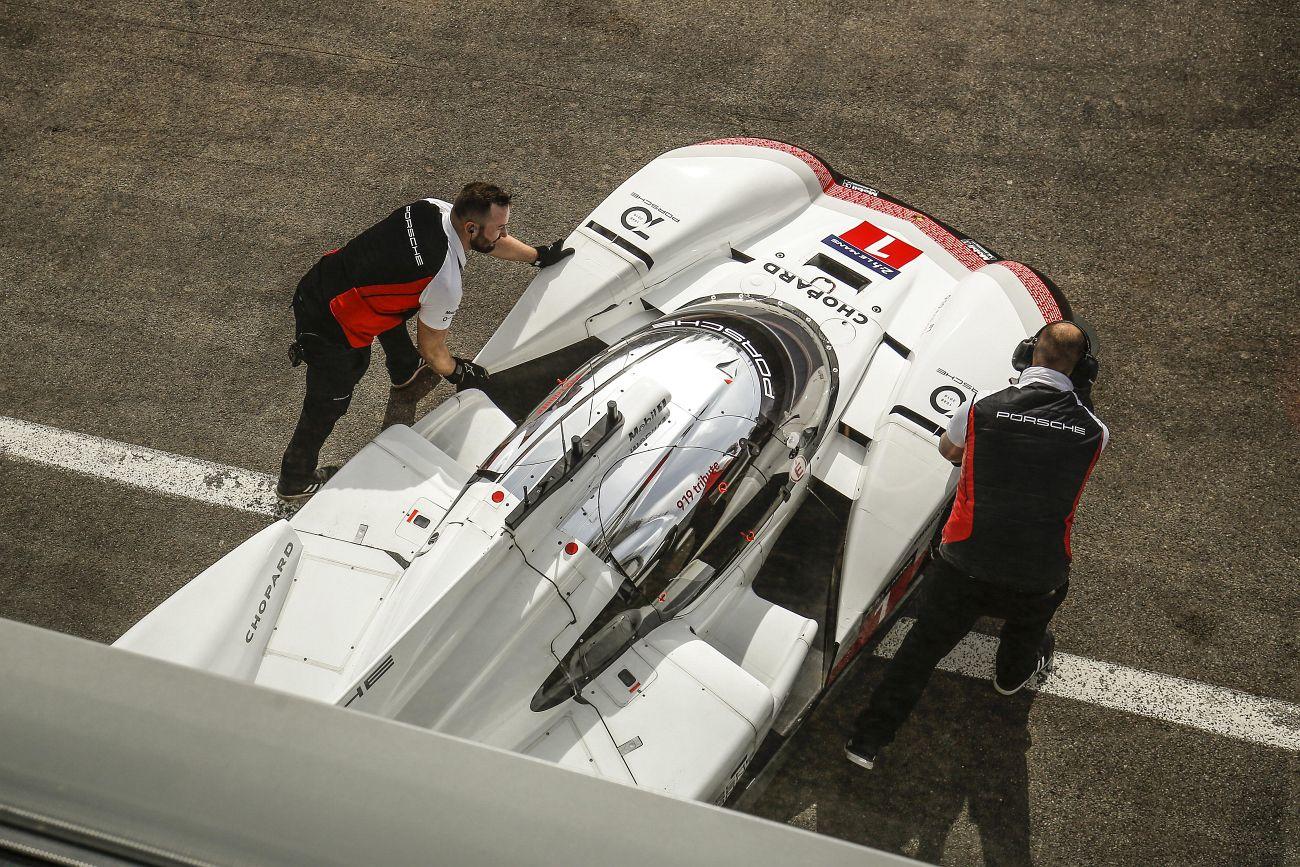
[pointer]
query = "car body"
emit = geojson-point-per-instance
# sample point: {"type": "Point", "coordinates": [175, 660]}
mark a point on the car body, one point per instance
{"type": "Point", "coordinates": [566, 566]}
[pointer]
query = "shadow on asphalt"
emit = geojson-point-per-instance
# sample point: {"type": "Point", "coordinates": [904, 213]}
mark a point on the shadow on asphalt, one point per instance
{"type": "Point", "coordinates": [962, 753]}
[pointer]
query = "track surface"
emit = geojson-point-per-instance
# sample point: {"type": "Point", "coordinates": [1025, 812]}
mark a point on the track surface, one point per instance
{"type": "Point", "coordinates": [171, 168]}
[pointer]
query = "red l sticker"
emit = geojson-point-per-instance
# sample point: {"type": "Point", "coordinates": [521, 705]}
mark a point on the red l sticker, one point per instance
{"type": "Point", "coordinates": [881, 245]}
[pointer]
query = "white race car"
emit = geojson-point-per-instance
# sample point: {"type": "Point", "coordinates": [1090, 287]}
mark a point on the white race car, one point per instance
{"type": "Point", "coordinates": [568, 570]}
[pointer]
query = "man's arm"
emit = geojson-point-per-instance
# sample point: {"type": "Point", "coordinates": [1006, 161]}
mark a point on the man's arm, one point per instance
{"type": "Point", "coordinates": [512, 249]}
{"type": "Point", "coordinates": [432, 343]}
{"type": "Point", "coordinates": [954, 434]}
{"type": "Point", "coordinates": [950, 450]}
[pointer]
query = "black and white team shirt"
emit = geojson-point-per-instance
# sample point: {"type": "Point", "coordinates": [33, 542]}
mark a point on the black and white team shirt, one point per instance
{"type": "Point", "coordinates": [412, 260]}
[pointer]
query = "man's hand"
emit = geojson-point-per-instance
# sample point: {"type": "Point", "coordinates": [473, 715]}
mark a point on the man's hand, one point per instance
{"type": "Point", "coordinates": [467, 374]}
{"type": "Point", "coordinates": [547, 256]}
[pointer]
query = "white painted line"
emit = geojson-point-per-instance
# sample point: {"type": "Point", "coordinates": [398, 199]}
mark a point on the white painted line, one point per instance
{"type": "Point", "coordinates": [140, 467]}
{"type": "Point", "coordinates": [1212, 709]}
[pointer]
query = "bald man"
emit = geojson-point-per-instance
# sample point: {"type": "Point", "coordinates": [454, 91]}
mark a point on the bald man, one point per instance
{"type": "Point", "coordinates": [1025, 455]}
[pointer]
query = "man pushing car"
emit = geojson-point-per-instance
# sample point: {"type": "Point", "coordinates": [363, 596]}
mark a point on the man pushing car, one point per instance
{"type": "Point", "coordinates": [409, 263]}
{"type": "Point", "coordinates": [1026, 453]}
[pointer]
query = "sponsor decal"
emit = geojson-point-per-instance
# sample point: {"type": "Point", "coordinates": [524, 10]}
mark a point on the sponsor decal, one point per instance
{"type": "Point", "coordinates": [266, 595]}
{"type": "Point", "coordinates": [652, 206]}
{"type": "Point", "coordinates": [638, 219]}
{"type": "Point", "coordinates": [946, 399]}
{"type": "Point", "coordinates": [799, 469]}
{"type": "Point", "coordinates": [644, 428]}
{"type": "Point", "coordinates": [728, 370]}
{"type": "Point", "coordinates": [872, 246]}
{"type": "Point", "coordinates": [848, 311]}
{"type": "Point", "coordinates": [562, 387]}
{"type": "Point", "coordinates": [760, 363]}
{"type": "Point", "coordinates": [979, 250]}
{"type": "Point", "coordinates": [702, 483]}
{"type": "Point", "coordinates": [854, 185]}
{"type": "Point", "coordinates": [734, 779]}
{"type": "Point", "coordinates": [1041, 422]}
{"type": "Point", "coordinates": [410, 233]}
{"type": "Point", "coordinates": [963, 383]}
{"type": "Point", "coordinates": [894, 593]}
{"type": "Point", "coordinates": [794, 279]}
{"type": "Point", "coordinates": [371, 679]}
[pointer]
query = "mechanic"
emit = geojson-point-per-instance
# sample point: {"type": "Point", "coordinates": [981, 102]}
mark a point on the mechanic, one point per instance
{"type": "Point", "coordinates": [410, 262]}
{"type": "Point", "coordinates": [1025, 455]}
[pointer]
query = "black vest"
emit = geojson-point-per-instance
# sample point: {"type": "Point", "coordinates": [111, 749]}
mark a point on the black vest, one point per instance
{"type": "Point", "coordinates": [1028, 455]}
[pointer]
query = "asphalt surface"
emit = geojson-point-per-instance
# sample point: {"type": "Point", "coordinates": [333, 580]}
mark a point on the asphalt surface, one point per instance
{"type": "Point", "coordinates": [170, 169]}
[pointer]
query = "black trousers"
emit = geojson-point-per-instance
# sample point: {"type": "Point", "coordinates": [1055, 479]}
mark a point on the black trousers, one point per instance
{"type": "Point", "coordinates": [951, 604]}
{"type": "Point", "coordinates": [334, 368]}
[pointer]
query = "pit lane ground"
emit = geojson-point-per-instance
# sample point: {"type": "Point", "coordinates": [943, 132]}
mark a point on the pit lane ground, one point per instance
{"type": "Point", "coordinates": [171, 168]}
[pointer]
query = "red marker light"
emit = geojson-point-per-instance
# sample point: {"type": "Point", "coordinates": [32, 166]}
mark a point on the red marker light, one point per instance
{"type": "Point", "coordinates": [571, 548]}
{"type": "Point", "coordinates": [498, 496]}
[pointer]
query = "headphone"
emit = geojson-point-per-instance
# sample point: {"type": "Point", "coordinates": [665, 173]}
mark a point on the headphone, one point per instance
{"type": "Point", "coordinates": [1085, 369]}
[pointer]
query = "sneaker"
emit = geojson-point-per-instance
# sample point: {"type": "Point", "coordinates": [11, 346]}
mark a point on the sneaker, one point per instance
{"type": "Point", "coordinates": [301, 492]}
{"type": "Point", "coordinates": [417, 385]}
{"type": "Point", "coordinates": [1043, 663]}
{"type": "Point", "coordinates": [860, 754]}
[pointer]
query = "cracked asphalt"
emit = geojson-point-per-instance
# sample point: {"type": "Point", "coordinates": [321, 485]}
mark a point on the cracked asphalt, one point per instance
{"type": "Point", "coordinates": [171, 168]}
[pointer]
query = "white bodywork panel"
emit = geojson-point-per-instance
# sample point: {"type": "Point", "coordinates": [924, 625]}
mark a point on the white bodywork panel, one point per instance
{"type": "Point", "coordinates": [462, 574]}
{"type": "Point", "coordinates": [222, 620]}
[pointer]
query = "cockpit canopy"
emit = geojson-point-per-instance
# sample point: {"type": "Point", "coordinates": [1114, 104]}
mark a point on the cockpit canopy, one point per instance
{"type": "Point", "coordinates": [746, 389]}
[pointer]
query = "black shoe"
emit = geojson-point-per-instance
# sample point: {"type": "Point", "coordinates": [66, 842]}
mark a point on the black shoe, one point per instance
{"type": "Point", "coordinates": [301, 492]}
{"type": "Point", "coordinates": [1046, 652]}
{"type": "Point", "coordinates": [861, 754]}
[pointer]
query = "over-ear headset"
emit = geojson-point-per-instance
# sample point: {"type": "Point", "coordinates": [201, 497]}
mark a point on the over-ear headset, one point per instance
{"type": "Point", "coordinates": [1085, 371]}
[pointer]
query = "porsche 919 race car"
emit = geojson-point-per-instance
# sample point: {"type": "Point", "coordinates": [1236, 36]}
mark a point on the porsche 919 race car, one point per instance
{"type": "Point", "coordinates": [566, 567]}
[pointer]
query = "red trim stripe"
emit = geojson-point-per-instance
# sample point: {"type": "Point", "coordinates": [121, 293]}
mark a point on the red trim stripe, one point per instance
{"type": "Point", "coordinates": [962, 519]}
{"type": "Point", "coordinates": [1037, 290]}
{"type": "Point", "coordinates": [819, 168]}
{"type": "Point", "coordinates": [1069, 520]}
